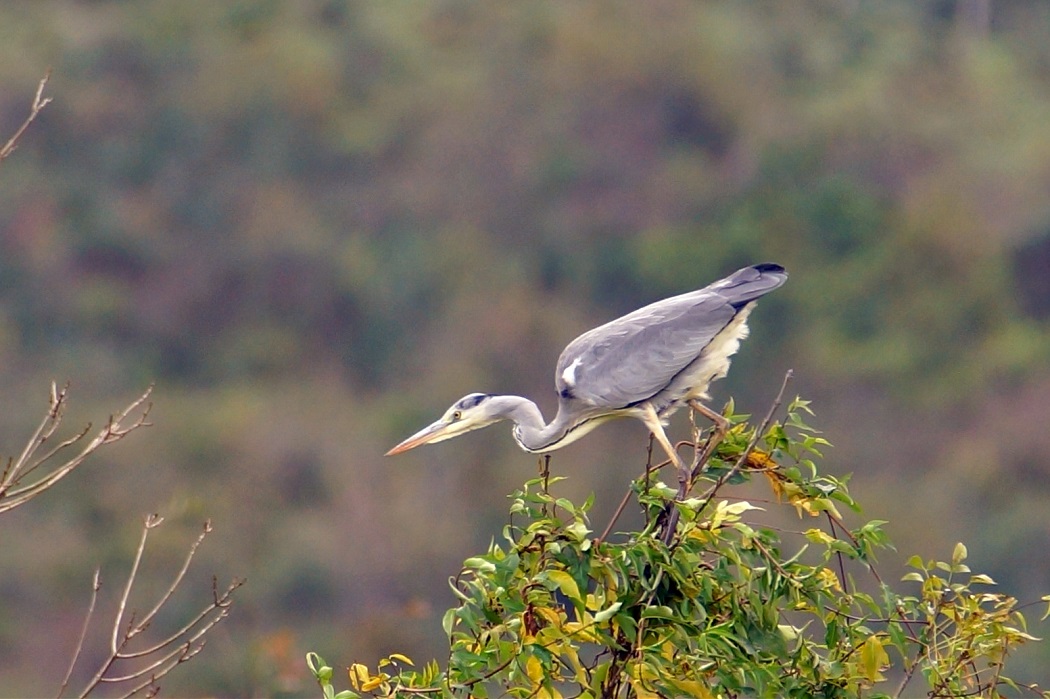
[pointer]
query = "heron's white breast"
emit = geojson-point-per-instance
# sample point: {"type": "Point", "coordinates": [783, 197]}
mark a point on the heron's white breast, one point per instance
{"type": "Point", "coordinates": [713, 362]}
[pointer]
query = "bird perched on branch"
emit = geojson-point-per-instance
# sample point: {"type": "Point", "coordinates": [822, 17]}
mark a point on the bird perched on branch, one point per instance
{"type": "Point", "coordinates": [644, 365]}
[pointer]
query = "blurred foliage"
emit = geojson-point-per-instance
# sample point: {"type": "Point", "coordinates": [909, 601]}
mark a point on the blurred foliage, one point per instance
{"type": "Point", "coordinates": [314, 223]}
{"type": "Point", "coordinates": [729, 607]}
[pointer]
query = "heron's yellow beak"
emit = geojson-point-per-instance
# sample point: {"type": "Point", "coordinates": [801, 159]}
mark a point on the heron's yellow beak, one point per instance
{"type": "Point", "coordinates": [434, 432]}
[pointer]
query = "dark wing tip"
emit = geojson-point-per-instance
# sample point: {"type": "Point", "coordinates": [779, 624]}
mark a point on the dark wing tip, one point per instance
{"type": "Point", "coordinates": [771, 267]}
{"type": "Point", "coordinates": [751, 283]}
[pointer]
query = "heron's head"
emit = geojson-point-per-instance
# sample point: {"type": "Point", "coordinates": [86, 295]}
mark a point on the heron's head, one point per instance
{"type": "Point", "coordinates": [471, 412]}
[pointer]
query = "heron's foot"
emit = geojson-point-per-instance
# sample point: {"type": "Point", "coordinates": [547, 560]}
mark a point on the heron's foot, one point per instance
{"type": "Point", "coordinates": [669, 518]}
{"type": "Point", "coordinates": [721, 423]}
{"type": "Point", "coordinates": [684, 477]}
{"type": "Point", "coordinates": [668, 523]}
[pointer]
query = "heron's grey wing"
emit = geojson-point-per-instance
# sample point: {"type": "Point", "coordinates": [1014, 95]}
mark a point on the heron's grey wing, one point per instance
{"type": "Point", "coordinates": [634, 357]}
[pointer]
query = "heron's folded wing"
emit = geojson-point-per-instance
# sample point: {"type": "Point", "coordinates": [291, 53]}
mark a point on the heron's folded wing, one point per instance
{"type": "Point", "coordinates": [634, 357]}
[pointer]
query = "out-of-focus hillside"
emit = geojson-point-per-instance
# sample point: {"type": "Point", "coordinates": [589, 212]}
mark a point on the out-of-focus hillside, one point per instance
{"type": "Point", "coordinates": [315, 224]}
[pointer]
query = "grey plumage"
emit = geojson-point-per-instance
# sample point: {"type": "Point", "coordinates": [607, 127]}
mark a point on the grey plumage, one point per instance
{"type": "Point", "coordinates": [650, 353]}
{"type": "Point", "coordinates": [645, 365]}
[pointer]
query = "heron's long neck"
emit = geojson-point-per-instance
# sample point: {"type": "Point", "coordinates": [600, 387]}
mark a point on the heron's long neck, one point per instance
{"type": "Point", "coordinates": [531, 431]}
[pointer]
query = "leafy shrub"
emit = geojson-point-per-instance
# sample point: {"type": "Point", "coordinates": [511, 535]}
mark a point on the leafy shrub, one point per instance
{"type": "Point", "coordinates": [730, 607]}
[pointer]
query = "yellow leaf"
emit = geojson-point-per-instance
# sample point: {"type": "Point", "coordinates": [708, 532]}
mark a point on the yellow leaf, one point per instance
{"type": "Point", "coordinates": [692, 688]}
{"type": "Point", "coordinates": [830, 580]}
{"type": "Point", "coordinates": [552, 616]}
{"type": "Point", "coordinates": [819, 536]}
{"type": "Point", "coordinates": [873, 658]}
{"type": "Point", "coordinates": [373, 683]}
{"type": "Point", "coordinates": [358, 675]}
{"type": "Point", "coordinates": [582, 631]}
{"type": "Point", "coordinates": [566, 584]}
{"type": "Point", "coordinates": [641, 676]}
{"type": "Point", "coordinates": [402, 658]}
{"type": "Point", "coordinates": [534, 669]}
{"type": "Point", "coordinates": [739, 508]}
{"type": "Point", "coordinates": [759, 459]}
{"type": "Point", "coordinates": [574, 660]}
{"type": "Point", "coordinates": [776, 483]}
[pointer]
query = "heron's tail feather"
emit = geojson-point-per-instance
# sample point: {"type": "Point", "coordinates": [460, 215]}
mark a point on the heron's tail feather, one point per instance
{"type": "Point", "coordinates": [750, 283]}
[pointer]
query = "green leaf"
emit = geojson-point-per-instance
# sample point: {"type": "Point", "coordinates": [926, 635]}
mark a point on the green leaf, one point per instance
{"type": "Point", "coordinates": [725, 610]}
{"type": "Point", "coordinates": [480, 564]}
{"type": "Point", "coordinates": [660, 612]}
{"type": "Point", "coordinates": [819, 536]}
{"type": "Point", "coordinates": [607, 613]}
{"type": "Point", "coordinates": [598, 676]}
{"type": "Point", "coordinates": [578, 530]}
{"type": "Point", "coordinates": [448, 620]}
{"type": "Point", "coordinates": [566, 504]}
{"type": "Point", "coordinates": [317, 665]}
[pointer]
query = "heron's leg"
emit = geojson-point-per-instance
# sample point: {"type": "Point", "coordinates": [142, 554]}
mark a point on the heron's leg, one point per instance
{"type": "Point", "coordinates": [652, 421]}
{"type": "Point", "coordinates": [670, 514]}
{"type": "Point", "coordinates": [721, 427]}
{"type": "Point", "coordinates": [721, 424]}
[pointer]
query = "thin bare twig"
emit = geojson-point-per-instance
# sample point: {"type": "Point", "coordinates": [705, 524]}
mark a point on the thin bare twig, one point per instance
{"type": "Point", "coordinates": [670, 514]}
{"type": "Point", "coordinates": [152, 521]}
{"type": "Point", "coordinates": [39, 102]}
{"type": "Point", "coordinates": [616, 515]}
{"type": "Point", "coordinates": [627, 496]}
{"type": "Point", "coordinates": [95, 585]}
{"type": "Point", "coordinates": [706, 498]}
{"type": "Point", "coordinates": [47, 427]}
{"type": "Point", "coordinates": [163, 656]}
{"type": "Point", "coordinates": [220, 602]}
{"type": "Point", "coordinates": [13, 494]}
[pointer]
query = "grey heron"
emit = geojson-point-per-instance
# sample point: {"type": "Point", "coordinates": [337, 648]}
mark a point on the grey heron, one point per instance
{"type": "Point", "coordinates": [644, 365]}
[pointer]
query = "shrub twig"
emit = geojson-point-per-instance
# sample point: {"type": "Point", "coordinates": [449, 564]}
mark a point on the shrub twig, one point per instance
{"type": "Point", "coordinates": [39, 102]}
{"type": "Point", "coordinates": [162, 656]}
{"type": "Point", "coordinates": [14, 494]}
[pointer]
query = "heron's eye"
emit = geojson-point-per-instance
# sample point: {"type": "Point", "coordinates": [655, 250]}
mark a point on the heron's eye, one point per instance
{"type": "Point", "coordinates": [456, 415]}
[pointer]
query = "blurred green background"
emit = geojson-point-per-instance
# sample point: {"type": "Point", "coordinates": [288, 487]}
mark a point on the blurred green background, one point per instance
{"type": "Point", "coordinates": [314, 224]}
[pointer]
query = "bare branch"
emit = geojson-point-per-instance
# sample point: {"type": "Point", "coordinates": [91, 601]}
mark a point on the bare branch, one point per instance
{"type": "Point", "coordinates": [152, 521]}
{"type": "Point", "coordinates": [83, 633]}
{"type": "Point", "coordinates": [17, 492]}
{"type": "Point", "coordinates": [47, 427]}
{"type": "Point", "coordinates": [178, 578]}
{"type": "Point", "coordinates": [184, 651]}
{"type": "Point", "coordinates": [151, 682]}
{"type": "Point", "coordinates": [221, 602]}
{"type": "Point", "coordinates": [39, 102]}
{"type": "Point", "coordinates": [161, 657]}
{"type": "Point", "coordinates": [13, 494]}
{"type": "Point", "coordinates": [32, 472]}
